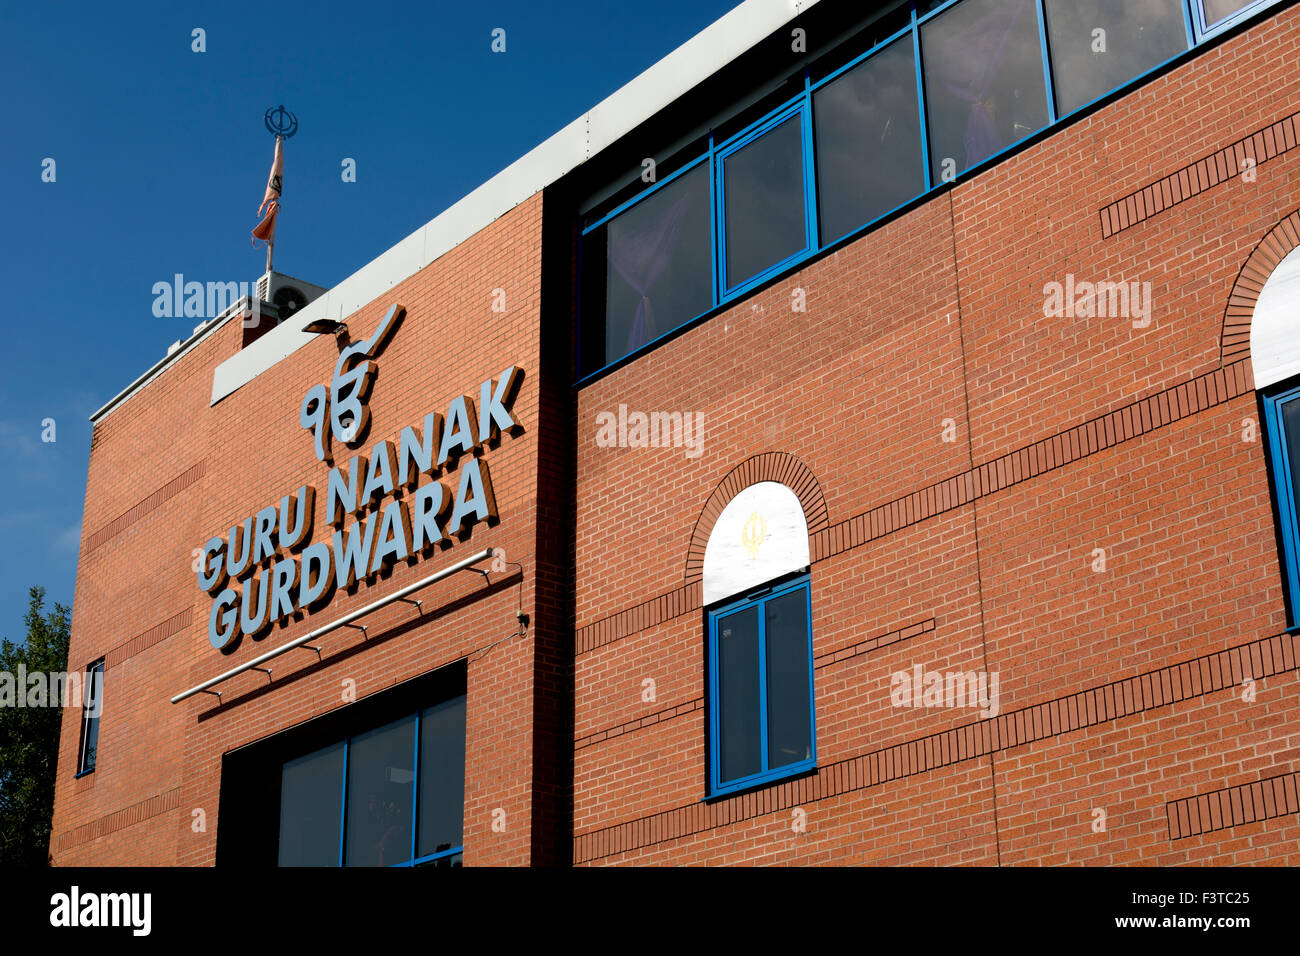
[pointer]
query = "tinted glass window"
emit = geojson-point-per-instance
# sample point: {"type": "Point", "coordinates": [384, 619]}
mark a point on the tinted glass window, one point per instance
{"type": "Point", "coordinates": [984, 88]}
{"type": "Point", "coordinates": [1216, 10]}
{"type": "Point", "coordinates": [658, 262]}
{"type": "Point", "coordinates": [740, 745]}
{"type": "Point", "coordinates": [442, 777]}
{"type": "Point", "coordinates": [1097, 45]}
{"type": "Point", "coordinates": [311, 800]}
{"type": "Point", "coordinates": [381, 791]}
{"type": "Point", "coordinates": [789, 728]}
{"type": "Point", "coordinates": [867, 131]}
{"type": "Point", "coordinates": [763, 193]}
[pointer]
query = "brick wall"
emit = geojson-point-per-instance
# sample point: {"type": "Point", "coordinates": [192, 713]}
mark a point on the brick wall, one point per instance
{"type": "Point", "coordinates": [167, 471]}
{"type": "Point", "coordinates": [1122, 682]}
{"type": "Point", "coordinates": [1068, 502]}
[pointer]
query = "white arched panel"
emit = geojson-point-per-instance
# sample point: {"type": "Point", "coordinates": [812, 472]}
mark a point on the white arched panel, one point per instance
{"type": "Point", "coordinates": [760, 535]}
{"type": "Point", "coordinates": [1275, 328]}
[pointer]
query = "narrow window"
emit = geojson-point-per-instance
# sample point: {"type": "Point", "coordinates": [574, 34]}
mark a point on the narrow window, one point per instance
{"type": "Point", "coordinates": [760, 671]}
{"type": "Point", "coordinates": [983, 68]}
{"type": "Point", "coordinates": [92, 706]}
{"type": "Point", "coordinates": [867, 131]}
{"type": "Point", "coordinates": [1099, 45]}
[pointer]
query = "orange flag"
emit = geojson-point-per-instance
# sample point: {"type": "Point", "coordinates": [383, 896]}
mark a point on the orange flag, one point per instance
{"type": "Point", "coordinates": [266, 228]}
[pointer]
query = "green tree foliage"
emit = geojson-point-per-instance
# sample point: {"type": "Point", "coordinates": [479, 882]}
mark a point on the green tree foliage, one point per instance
{"type": "Point", "coordinates": [29, 738]}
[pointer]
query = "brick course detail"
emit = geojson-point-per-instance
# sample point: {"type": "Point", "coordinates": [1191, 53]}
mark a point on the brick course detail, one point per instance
{"type": "Point", "coordinates": [174, 487]}
{"type": "Point", "coordinates": [1218, 167]}
{"type": "Point", "coordinates": [1233, 806]}
{"type": "Point", "coordinates": [1097, 704]}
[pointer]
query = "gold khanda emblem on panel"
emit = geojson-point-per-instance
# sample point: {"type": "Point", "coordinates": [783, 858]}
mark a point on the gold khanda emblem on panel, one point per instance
{"type": "Point", "coordinates": [753, 533]}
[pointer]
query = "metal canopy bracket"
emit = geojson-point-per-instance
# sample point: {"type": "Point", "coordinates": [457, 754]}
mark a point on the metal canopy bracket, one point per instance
{"type": "Point", "coordinates": [345, 621]}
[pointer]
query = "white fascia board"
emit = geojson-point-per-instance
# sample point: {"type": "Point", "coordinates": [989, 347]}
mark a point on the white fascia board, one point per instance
{"type": "Point", "coordinates": [687, 67]}
{"type": "Point", "coordinates": [616, 116]}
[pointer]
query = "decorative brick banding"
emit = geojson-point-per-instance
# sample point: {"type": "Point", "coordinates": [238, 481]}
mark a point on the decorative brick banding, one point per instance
{"type": "Point", "coordinates": [149, 638]}
{"type": "Point", "coordinates": [1143, 416]}
{"type": "Point", "coordinates": [1207, 172]}
{"type": "Point", "coordinates": [120, 819]}
{"type": "Point", "coordinates": [142, 508]}
{"type": "Point", "coordinates": [1233, 806]}
{"type": "Point", "coordinates": [1161, 687]}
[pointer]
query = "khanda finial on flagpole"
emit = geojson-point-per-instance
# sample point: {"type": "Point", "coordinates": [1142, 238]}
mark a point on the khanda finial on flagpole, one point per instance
{"type": "Point", "coordinates": [282, 124]}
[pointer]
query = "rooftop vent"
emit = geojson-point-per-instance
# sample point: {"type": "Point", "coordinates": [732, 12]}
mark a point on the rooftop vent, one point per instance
{"type": "Point", "coordinates": [281, 296]}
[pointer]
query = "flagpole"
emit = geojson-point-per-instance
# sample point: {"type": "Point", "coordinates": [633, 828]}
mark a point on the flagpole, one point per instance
{"type": "Point", "coordinates": [282, 124]}
{"type": "Point", "coordinates": [270, 243]}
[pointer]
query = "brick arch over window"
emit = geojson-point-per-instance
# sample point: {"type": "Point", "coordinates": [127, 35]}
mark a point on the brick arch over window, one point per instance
{"type": "Point", "coordinates": [1278, 242]}
{"type": "Point", "coordinates": [770, 466]}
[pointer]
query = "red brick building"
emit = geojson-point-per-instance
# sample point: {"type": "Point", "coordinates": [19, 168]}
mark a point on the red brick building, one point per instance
{"type": "Point", "coordinates": [864, 438]}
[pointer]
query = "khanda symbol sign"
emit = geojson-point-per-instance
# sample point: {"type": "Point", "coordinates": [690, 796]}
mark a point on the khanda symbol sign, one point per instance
{"type": "Point", "coordinates": [344, 404]}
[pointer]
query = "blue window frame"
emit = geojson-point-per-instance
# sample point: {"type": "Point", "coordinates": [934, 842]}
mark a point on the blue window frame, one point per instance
{"type": "Point", "coordinates": [764, 189]}
{"type": "Point", "coordinates": [1213, 16]}
{"type": "Point", "coordinates": [762, 721]}
{"type": "Point", "coordinates": [392, 796]}
{"type": "Point", "coordinates": [91, 708]}
{"type": "Point", "coordinates": [1095, 46]}
{"type": "Point", "coordinates": [989, 75]}
{"type": "Point", "coordinates": [867, 115]}
{"type": "Point", "coordinates": [1282, 425]}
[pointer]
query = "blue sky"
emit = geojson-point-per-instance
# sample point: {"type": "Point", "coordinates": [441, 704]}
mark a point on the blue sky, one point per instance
{"type": "Point", "coordinates": [161, 160]}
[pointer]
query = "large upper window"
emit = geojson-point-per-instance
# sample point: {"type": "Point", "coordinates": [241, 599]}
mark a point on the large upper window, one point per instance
{"type": "Point", "coordinates": [868, 141]}
{"type": "Point", "coordinates": [983, 81]}
{"type": "Point", "coordinates": [935, 89]}
{"type": "Point", "coordinates": [1099, 45]}
{"type": "Point", "coordinates": [763, 200]}
{"type": "Point", "coordinates": [392, 796]}
{"type": "Point", "coordinates": [654, 263]}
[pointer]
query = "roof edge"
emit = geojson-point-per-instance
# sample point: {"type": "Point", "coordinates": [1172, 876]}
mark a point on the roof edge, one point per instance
{"type": "Point", "coordinates": [700, 57]}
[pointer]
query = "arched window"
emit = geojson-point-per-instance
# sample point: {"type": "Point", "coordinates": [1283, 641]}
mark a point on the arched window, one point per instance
{"type": "Point", "coordinates": [757, 592]}
{"type": "Point", "coordinates": [1275, 359]}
